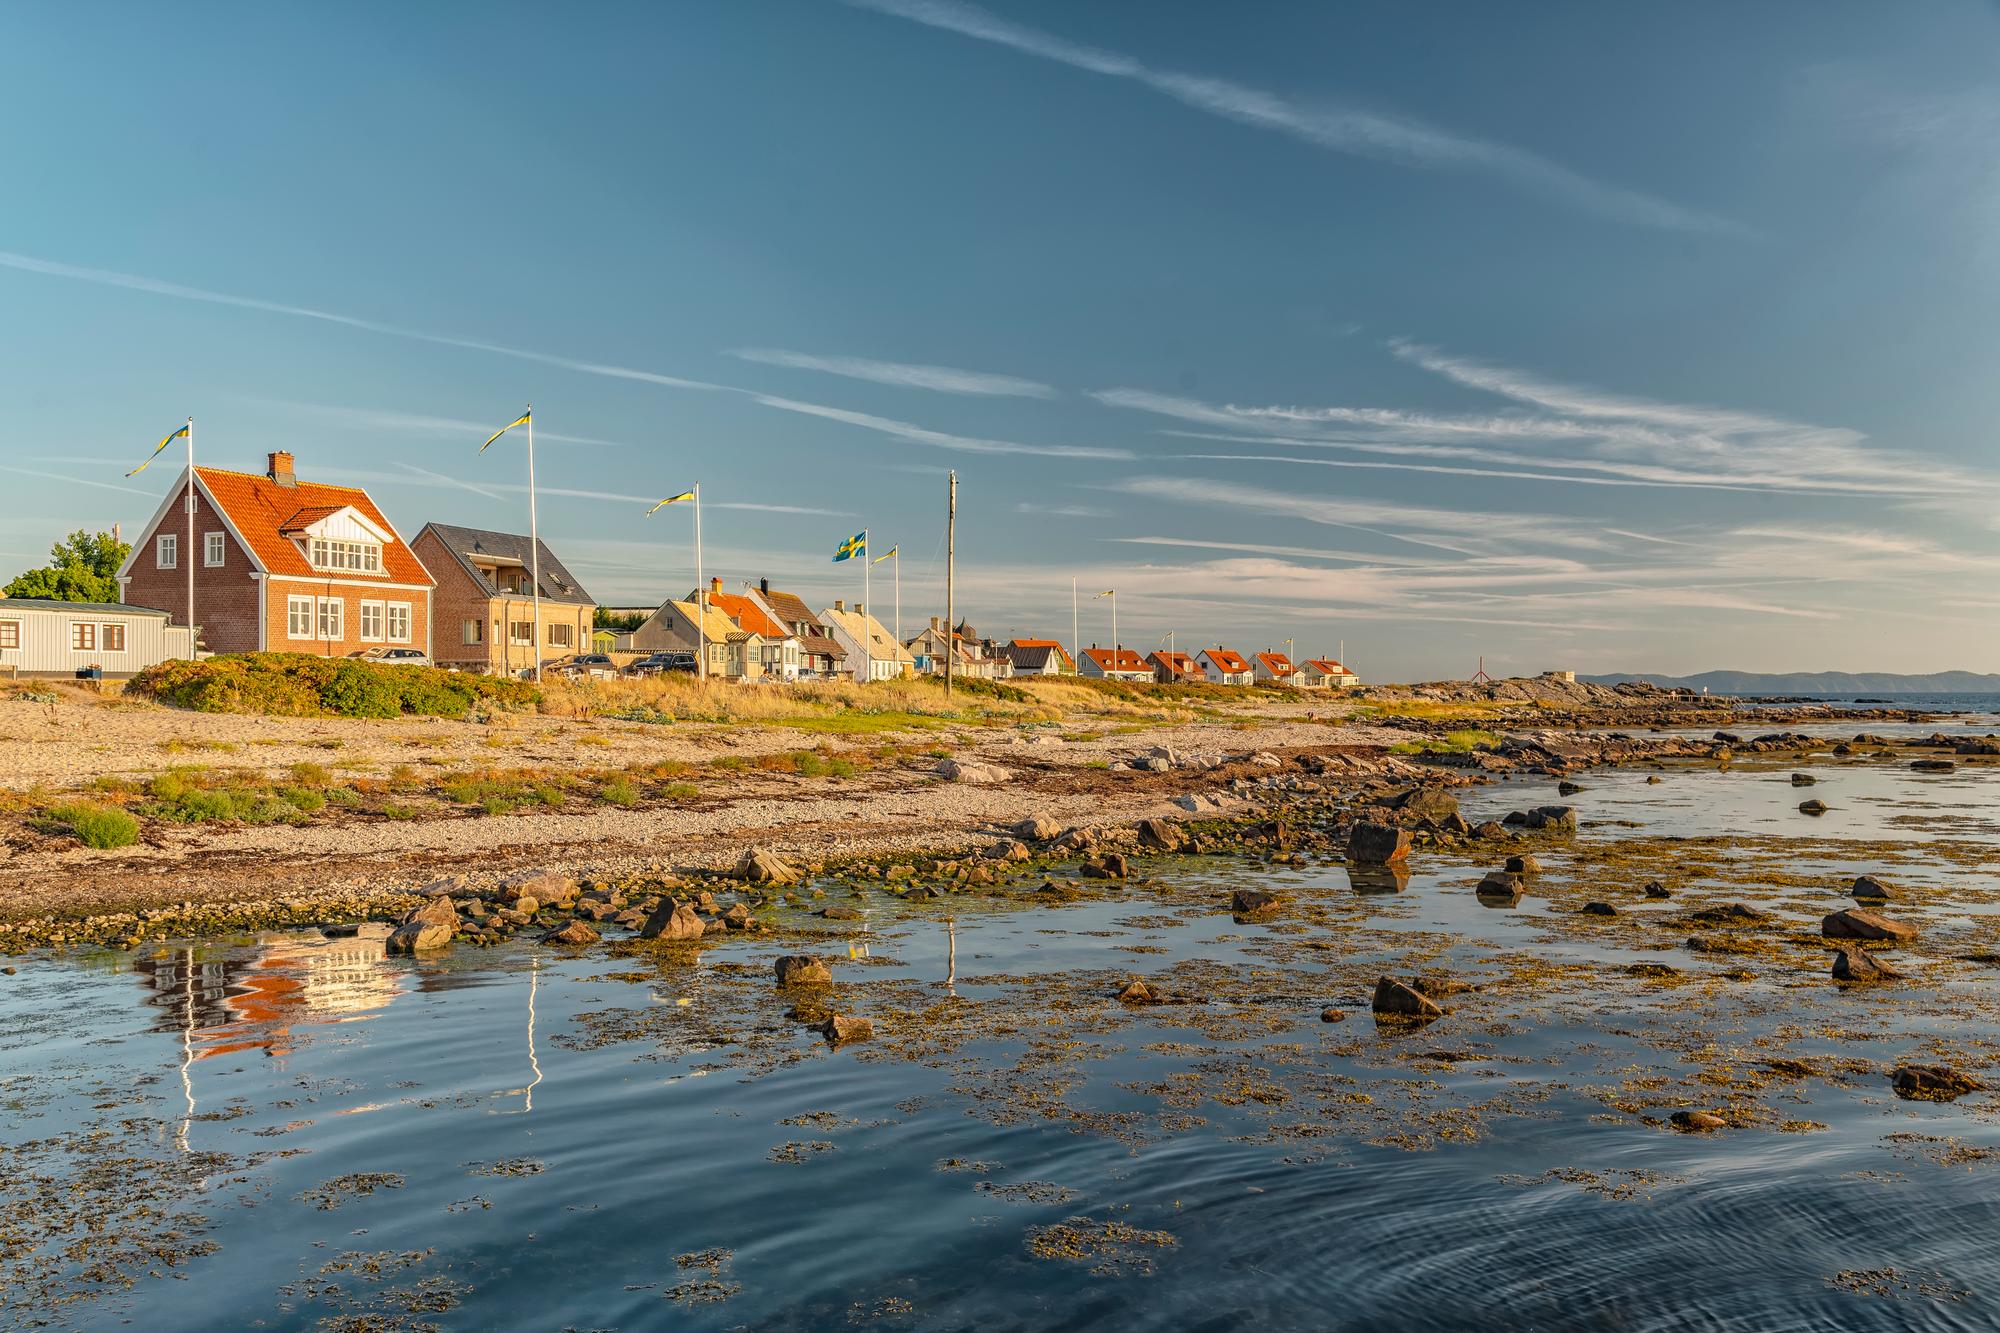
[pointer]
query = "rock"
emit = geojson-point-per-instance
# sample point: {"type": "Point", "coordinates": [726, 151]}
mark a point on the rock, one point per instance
{"type": "Point", "coordinates": [546, 887]}
{"type": "Point", "coordinates": [525, 906]}
{"type": "Point", "coordinates": [1728, 738]}
{"type": "Point", "coordinates": [1153, 765]}
{"type": "Point", "coordinates": [1499, 884]}
{"type": "Point", "coordinates": [1039, 828]}
{"type": "Point", "coordinates": [412, 936]}
{"type": "Point", "coordinates": [1491, 831]}
{"type": "Point", "coordinates": [673, 921]}
{"type": "Point", "coordinates": [1860, 965]}
{"type": "Point", "coordinates": [1869, 887]}
{"type": "Point", "coordinates": [453, 886]}
{"type": "Point", "coordinates": [737, 917]}
{"type": "Point", "coordinates": [1252, 902]}
{"type": "Point", "coordinates": [1696, 1122]}
{"type": "Point", "coordinates": [1377, 844]}
{"type": "Point", "coordinates": [1813, 807]}
{"type": "Point", "coordinates": [575, 933]}
{"type": "Point", "coordinates": [1599, 909]}
{"type": "Point", "coordinates": [1331, 1015]}
{"type": "Point", "coordinates": [1858, 923]}
{"type": "Point", "coordinates": [1560, 818]}
{"type": "Point", "coordinates": [1111, 865]}
{"type": "Point", "coordinates": [1652, 779]}
{"type": "Point", "coordinates": [1567, 788]}
{"type": "Point", "coordinates": [1523, 865]}
{"type": "Point", "coordinates": [843, 1028]}
{"type": "Point", "coordinates": [438, 911]}
{"type": "Point", "coordinates": [838, 913]}
{"type": "Point", "coordinates": [1394, 999]}
{"type": "Point", "coordinates": [1933, 765]}
{"type": "Point", "coordinates": [802, 969]}
{"type": "Point", "coordinates": [1933, 1083]}
{"type": "Point", "coordinates": [1137, 992]}
{"type": "Point", "coordinates": [1160, 835]}
{"type": "Point", "coordinates": [1803, 779]}
{"type": "Point", "coordinates": [1391, 878]}
{"type": "Point", "coordinates": [1009, 851]}
{"type": "Point", "coordinates": [761, 866]}
{"type": "Point", "coordinates": [1729, 914]}
{"type": "Point", "coordinates": [1425, 803]}
{"type": "Point", "coordinates": [968, 770]}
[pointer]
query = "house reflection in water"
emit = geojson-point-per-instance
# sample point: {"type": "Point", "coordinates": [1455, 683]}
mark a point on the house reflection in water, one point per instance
{"type": "Point", "coordinates": [223, 1002]}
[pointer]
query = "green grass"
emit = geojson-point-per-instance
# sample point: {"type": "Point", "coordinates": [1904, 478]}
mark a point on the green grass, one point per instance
{"type": "Point", "coordinates": [619, 791]}
{"type": "Point", "coordinates": [1452, 742]}
{"type": "Point", "coordinates": [96, 826]}
{"type": "Point", "coordinates": [680, 791]}
{"type": "Point", "coordinates": [855, 723]}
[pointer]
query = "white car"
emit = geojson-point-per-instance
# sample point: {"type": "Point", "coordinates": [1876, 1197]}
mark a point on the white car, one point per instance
{"type": "Point", "coordinates": [394, 656]}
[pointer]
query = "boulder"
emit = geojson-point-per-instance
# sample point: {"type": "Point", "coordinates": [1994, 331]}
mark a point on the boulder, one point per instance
{"type": "Point", "coordinates": [1039, 828]}
{"type": "Point", "coordinates": [970, 770]}
{"type": "Point", "coordinates": [1331, 1015]}
{"type": "Point", "coordinates": [1558, 818]}
{"type": "Point", "coordinates": [1655, 889]}
{"type": "Point", "coordinates": [413, 936]}
{"type": "Point", "coordinates": [1599, 909]}
{"type": "Point", "coordinates": [1870, 888]}
{"type": "Point", "coordinates": [1009, 850]}
{"type": "Point", "coordinates": [1696, 1122]}
{"type": "Point", "coordinates": [737, 917]}
{"type": "Point", "coordinates": [438, 911]}
{"type": "Point", "coordinates": [673, 921]}
{"type": "Point", "coordinates": [575, 933]}
{"type": "Point", "coordinates": [1160, 835]}
{"type": "Point", "coordinates": [1425, 803]}
{"type": "Point", "coordinates": [843, 1028]}
{"type": "Point", "coordinates": [1252, 902]}
{"type": "Point", "coordinates": [1567, 788]}
{"type": "Point", "coordinates": [454, 886]}
{"type": "Point", "coordinates": [546, 887]}
{"type": "Point", "coordinates": [1137, 992]}
{"type": "Point", "coordinates": [759, 865]}
{"type": "Point", "coordinates": [1860, 965]}
{"type": "Point", "coordinates": [1153, 765]}
{"type": "Point", "coordinates": [1377, 844]}
{"type": "Point", "coordinates": [800, 969]}
{"type": "Point", "coordinates": [1500, 884]}
{"type": "Point", "coordinates": [1933, 765]}
{"type": "Point", "coordinates": [1523, 865]}
{"type": "Point", "coordinates": [1111, 865]}
{"type": "Point", "coordinates": [1394, 999]}
{"type": "Point", "coordinates": [1803, 779]}
{"type": "Point", "coordinates": [1933, 1083]}
{"type": "Point", "coordinates": [1812, 807]}
{"type": "Point", "coordinates": [1858, 923]}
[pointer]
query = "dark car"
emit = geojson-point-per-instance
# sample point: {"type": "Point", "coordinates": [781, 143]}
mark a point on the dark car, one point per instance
{"type": "Point", "coordinates": [654, 664]}
{"type": "Point", "coordinates": [592, 665]}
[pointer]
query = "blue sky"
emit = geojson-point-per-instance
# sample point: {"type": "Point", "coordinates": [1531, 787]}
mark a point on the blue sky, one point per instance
{"type": "Point", "coordinates": [1572, 335]}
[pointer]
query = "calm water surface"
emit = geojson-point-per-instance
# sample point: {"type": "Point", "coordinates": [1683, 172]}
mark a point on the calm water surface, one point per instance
{"type": "Point", "coordinates": [524, 1139]}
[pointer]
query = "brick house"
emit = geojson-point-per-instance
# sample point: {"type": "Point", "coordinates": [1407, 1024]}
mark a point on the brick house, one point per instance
{"type": "Point", "coordinates": [281, 565]}
{"type": "Point", "coordinates": [485, 607]}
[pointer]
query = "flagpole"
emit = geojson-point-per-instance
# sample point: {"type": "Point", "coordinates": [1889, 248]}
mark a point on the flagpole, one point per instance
{"type": "Point", "coordinates": [1114, 627]}
{"type": "Point", "coordinates": [899, 596]}
{"type": "Point", "coordinates": [867, 639]}
{"type": "Point", "coordinates": [700, 597]}
{"type": "Point", "coordinates": [950, 577]}
{"type": "Point", "coordinates": [534, 545]}
{"type": "Point", "coordinates": [190, 550]}
{"type": "Point", "coordinates": [1075, 633]}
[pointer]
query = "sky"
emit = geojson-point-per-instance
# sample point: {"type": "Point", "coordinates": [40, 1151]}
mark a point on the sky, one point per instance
{"type": "Point", "coordinates": [1598, 337]}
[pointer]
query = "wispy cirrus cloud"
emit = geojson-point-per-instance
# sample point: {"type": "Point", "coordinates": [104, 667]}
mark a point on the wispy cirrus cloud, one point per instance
{"type": "Point", "coordinates": [405, 423]}
{"type": "Point", "coordinates": [903, 430]}
{"type": "Point", "coordinates": [941, 379]}
{"type": "Point", "coordinates": [1403, 140]}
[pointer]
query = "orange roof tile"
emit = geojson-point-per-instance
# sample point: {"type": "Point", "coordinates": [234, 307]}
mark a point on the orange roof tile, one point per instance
{"type": "Point", "coordinates": [1277, 663]}
{"type": "Point", "coordinates": [1328, 666]}
{"type": "Point", "coordinates": [1227, 660]}
{"type": "Point", "coordinates": [748, 614]}
{"type": "Point", "coordinates": [261, 511]}
{"type": "Point", "coordinates": [1122, 659]}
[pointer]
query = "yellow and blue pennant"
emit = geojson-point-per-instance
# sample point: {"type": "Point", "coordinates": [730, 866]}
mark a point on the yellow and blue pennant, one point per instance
{"type": "Point", "coordinates": [156, 451]}
{"type": "Point", "coordinates": [670, 500]}
{"type": "Point", "coordinates": [884, 556]}
{"type": "Point", "coordinates": [853, 546]}
{"type": "Point", "coordinates": [521, 420]}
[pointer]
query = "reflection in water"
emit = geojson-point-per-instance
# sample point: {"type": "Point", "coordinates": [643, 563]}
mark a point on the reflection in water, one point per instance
{"type": "Point", "coordinates": [1379, 879]}
{"type": "Point", "coordinates": [527, 1093]}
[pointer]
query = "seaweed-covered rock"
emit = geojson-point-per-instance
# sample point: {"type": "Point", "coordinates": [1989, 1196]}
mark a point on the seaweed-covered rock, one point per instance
{"type": "Point", "coordinates": [1395, 999]}
{"type": "Point", "coordinates": [576, 933]}
{"type": "Point", "coordinates": [1933, 1083]}
{"type": "Point", "coordinates": [1858, 923]}
{"type": "Point", "coordinates": [1377, 844]}
{"type": "Point", "coordinates": [416, 936]}
{"type": "Point", "coordinates": [1252, 902]}
{"type": "Point", "coordinates": [759, 865]}
{"type": "Point", "coordinates": [801, 969]}
{"type": "Point", "coordinates": [673, 921]}
{"type": "Point", "coordinates": [1860, 965]}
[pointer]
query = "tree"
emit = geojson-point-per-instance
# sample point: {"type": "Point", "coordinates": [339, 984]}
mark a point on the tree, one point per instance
{"type": "Point", "coordinates": [83, 568]}
{"type": "Point", "coordinates": [604, 619]}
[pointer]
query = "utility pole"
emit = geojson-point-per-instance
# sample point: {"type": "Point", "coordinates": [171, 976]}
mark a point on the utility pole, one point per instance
{"type": "Point", "coordinates": [950, 587]}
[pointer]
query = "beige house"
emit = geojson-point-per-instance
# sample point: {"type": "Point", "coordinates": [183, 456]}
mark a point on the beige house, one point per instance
{"type": "Point", "coordinates": [485, 611]}
{"type": "Point", "coordinates": [1326, 674]}
{"type": "Point", "coordinates": [872, 651]}
{"type": "Point", "coordinates": [673, 629]}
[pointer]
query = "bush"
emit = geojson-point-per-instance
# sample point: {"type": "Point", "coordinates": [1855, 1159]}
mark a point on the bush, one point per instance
{"type": "Point", "coordinates": [95, 825]}
{"type": "Point", "coordinates": [298, 685]}
{"type": "Point", "coordinates": [619, 791]}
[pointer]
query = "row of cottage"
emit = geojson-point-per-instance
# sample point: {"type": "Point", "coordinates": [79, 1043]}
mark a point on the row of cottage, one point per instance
{"type": "Point", "coordinates": [281, 564]}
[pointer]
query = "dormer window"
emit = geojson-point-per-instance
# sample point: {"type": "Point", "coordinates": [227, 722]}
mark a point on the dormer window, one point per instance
{"type": "Point", "coordinates": [331, 553]}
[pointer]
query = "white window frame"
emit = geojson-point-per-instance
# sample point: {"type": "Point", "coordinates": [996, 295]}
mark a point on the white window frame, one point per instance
{"type": "Point", "coordinates": [331, 621]}
{"type": "Point", "coordinates": [399, 622]}
{"type": "Point", "coordinates": [214, 549]}
{"type": "Point", "coordinates": [523, 640]}
{"type": "Point", "coordinates": [369, 624]}
{"type": "Point", "coordinates": [10, 635]}
{"type": "Point", "coordinates": [473, 632]}
{"type": "Point", "coordinates": [562, 634]}
{"type": "Point", "coordinates": [105, 633]}
{"type": "Point", "coordinates": [298, 609]}
{"type": "Point", "coordinates": [167, 551]}
{"type": "Point", "coordinates": [82, 636]}
{"type": "Point", "coordinates": [349, 557]}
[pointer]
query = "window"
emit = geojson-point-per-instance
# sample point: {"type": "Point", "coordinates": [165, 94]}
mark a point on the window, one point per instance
{"type": "Point", "coordinates": [521, 632]}
{"type": "Point", "coordinates": [330, 609]}
{"type": "Point", "coordinates": [10, 634]}
{"type": "Point", "coordinates": [371, 622]}
{"type": "Point", "coordinates": [82, 637]}
{"type": "Point", "coordinates": [114, 638]}
{"type": "Point", "coordinates": [330, 553]}
{"type": "Point", "coordinates": [562, 636]}
{"type": "Point", "coordinates": [399, 622]}
{"type": "Point", "coordinates": [298, 617]}
{"type": "Point", "coordinates": [212, 548]}
{"type": "Point", "coordinates": [166, 551]}
{"type": "Point", "coordinates": [475, 631]}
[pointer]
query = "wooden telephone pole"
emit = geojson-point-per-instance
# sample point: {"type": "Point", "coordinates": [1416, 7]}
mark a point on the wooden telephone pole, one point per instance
{"type": "Point", "coordinates": [950, 590]}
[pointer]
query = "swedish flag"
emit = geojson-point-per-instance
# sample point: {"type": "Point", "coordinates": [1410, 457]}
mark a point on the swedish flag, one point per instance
{"type": "Point", "coordinates": [521, 420]}
{"type": "Point", "coordinates": [156, 451]}
{"type": "Point", "coordinates": [670, 500]}
{"type": "Point", "coordinates": [884, 556]}
{"type": "Point", "coordinates": [853, 546]}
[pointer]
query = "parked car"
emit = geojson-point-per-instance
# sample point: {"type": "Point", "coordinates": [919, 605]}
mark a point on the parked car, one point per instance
{"type": "Point", "coordinates": [394, 656]}
{"type": "Point", "coordinates": [595, 666]}
{"type": "Point", "coordinates": [654, 664]}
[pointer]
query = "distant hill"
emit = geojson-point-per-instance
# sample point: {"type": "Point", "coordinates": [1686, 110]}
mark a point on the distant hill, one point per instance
{"type": "Point", "coordinates": [1817, 682]}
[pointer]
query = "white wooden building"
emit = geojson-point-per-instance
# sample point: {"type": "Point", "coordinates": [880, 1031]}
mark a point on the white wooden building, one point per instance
{"type": "Point", "coordinates": [48, 639]}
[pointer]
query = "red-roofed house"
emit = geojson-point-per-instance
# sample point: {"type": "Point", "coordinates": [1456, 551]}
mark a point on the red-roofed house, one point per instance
{"type": "Point", "coordinates": [281, 565]}
{"type": "Point", "coordinates": [1274, 669]}
{"type": "Point", "coordinates": [781, 653]}
{"type": "Point", "coordinates": [1325, 673]}
{"type": "Point", "coordinates": [1175, 668]}
{"type": "Point", "coordinates": [1222, 666]}
{"type": "Point", "coordinates": [1115, 664]}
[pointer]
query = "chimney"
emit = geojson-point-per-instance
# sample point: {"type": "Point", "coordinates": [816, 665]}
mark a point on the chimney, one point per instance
{"type": "Point", "coordinates": [764, 586]}
{"type": "Point", "coordinates": [279, 469]}
{"type": "Point", "coordinates": [838, 605]}
{"type": "Point", "coordinates": [937, 623]}
{"type": "Point", "coordinates": [860, 610]}
{"type": "Point", "coordinates": [714, 586]}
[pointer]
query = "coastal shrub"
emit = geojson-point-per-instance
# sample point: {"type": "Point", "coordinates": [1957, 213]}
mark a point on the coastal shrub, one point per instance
{"type": "Point", "coordinates": [619, 791]}
{"type": "Point", "coordinates": [300, 685]}
{"type": "Point", "coordinates": [680, 791]}
{"type": "Point", "coordinates": [102, 827]}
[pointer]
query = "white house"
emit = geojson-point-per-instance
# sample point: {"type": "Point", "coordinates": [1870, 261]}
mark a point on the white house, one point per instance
{"type": "Point", "coordinates": [50, 638]}
{"type": "Point", "coordinates": [1325, 673]}
{"type": "Point", "coordinates": [872, 651]}
{"type": "Point", "coordinates": [1223, 666]}
{"type": "Point", "coordinates": [1115, 664]}
{"type": "Point", "coordinates": [1275, 669]}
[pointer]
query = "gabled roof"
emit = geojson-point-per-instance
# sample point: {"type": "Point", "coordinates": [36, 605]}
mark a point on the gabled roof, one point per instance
{"type": "Point", "coordinates": [1061, 652]}
{"type": "Point", "coordinates": [715, 627]}
{"type": "Point", "coordinates": [1034, 656]}
{"type": "Point", "coordinates": [258, 510]}
{"type": "Point", "coordinates": [1327, 666]}
{"type": "Point", "coordinates": [79, 608]}
{"type": "Point", "coordinates": [1226, 660]}
{"type": "Point", "coordinates": [467, 544]}
{"type": "Point", "coordinates": [1277, 663]}
{"type": "Point", "coordinates": [790, 607]}
{"type": "Point", "coordinates": [1115, 659]}
{"type": "Point", "coordinates": [1181, 664]}
{"type": "Point", "coordinates": [745, 612]}
{"type": "Point", "coordinates": [821, 646]}
{"type": "Point", "coordinates": [881, 645]}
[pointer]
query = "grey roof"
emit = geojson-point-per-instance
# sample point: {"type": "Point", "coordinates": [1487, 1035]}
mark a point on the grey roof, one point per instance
{"type": "Point", "coordinates": [55, 604]}
{"type": "Point", "coordinates": [558, 584]}
{"type": "Point", "coordinates": [1031, 659]}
